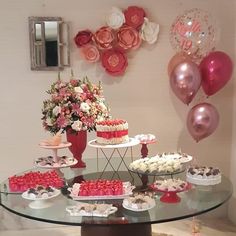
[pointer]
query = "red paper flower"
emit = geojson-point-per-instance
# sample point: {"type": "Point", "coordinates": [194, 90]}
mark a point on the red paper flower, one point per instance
{"type": "Point", "coordinates": [114, 61]}
{"type": "Point", "coordinates": [134, 16]}
{"type": "Point", "coordinates": [128, 37]}
{"type": "Point", "coordinates": [104, 37]}
{"type": "Point", "coordinates": [90, 53]}
{"type": "Point", "coordinates": [83, 37]}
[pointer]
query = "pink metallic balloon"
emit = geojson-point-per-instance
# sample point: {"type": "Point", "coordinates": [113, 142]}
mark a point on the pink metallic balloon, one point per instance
{"type": "Point", "coordinates": [216, 70]}
{"type": "Point", "coordinates": [185, 80]}
{"type": "Point", "coordinates": [202, 121]}
{"type": "Point", "coordinates": [176, 60]}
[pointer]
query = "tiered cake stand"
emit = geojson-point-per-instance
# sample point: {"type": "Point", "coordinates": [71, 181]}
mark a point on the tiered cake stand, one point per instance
{"type": "Point", "coordinates": [55, 159]}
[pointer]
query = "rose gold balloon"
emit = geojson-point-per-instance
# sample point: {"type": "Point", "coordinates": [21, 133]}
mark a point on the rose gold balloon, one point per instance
{"type": "Point", "coordinates": [176, 60]}
{"type": "Point", "coordinates": [185, 80]}
{"type": "Point", "coordinates": [202, 121]}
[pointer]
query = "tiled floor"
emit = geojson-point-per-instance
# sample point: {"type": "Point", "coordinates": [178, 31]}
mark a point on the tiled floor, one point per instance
{"type": "Point", "coordinates": [210, 227]}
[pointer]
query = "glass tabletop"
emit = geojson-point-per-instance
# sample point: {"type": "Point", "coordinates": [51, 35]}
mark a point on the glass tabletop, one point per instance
{"type": "Point", "coordinates": [193, 202]}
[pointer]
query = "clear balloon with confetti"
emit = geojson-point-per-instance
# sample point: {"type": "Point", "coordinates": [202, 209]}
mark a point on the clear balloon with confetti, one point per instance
{"type": "Point", "coordinates": [194, 32]}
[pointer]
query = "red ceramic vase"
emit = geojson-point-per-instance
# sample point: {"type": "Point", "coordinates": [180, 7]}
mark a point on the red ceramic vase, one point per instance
{"type": "Point", "coordinates": [79, 142]}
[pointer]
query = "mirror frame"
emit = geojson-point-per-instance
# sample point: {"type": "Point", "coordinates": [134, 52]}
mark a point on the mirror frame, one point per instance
{"type": "Point", "coordinates": [62, 47]}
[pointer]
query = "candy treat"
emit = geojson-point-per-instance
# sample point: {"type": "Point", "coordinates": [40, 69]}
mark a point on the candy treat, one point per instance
{"type": "Point", "coordinates": [53, 141]}
{"type": "Point", "coordinates": [32, 179]}
{"type": "Point", "coordinates": [170, 185]}
{"type": "Point", "coordinates": [155, 165]}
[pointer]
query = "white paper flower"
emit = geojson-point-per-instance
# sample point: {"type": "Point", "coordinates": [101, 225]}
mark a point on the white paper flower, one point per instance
{"type": "Point", "coordinates": [84, 107]}
{"type": "Point", "coordinates": [115, 18]}
{"type": "Point", "coordinates": [77, 125]}
{"type": "Point", "coordinates": [103, 107]}
{"type": "Point", "coordinates": [56, 110]}
{"type": "Point", "coordinates": [78, 89]}
{"type": "Point", "coordinates": [149, 31]}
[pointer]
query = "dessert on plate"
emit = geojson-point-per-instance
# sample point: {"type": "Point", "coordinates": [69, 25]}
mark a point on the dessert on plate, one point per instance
{"type": "Point", "coordinates": [203, 175]}
{"type": "Point", "coordinates": [155, 165]}
{"type": "Point", "coordinates": [112, 131]}
{"type": "Point", "coordinates": [182, 157]}
{"type": "Point", "coordinates": [40, 192]}
{"type": "Point", "coordinates": [101, 187]}
{"type": "Point", "coordinates": [139, 202]}
{"type": "Point", "coordinates": [89, 209]}
{"type": "Point", "coordinates": [144, 138]}
{"type": "Point", "coordinates": [50, 162]}
{"type": "Point", "coordinates": [170, 185]}
{"type": "Point", "coordinates": [53, 141]}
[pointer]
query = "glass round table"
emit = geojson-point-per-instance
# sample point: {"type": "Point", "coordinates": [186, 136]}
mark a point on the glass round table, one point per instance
{"type": "Point", "coordinates": [193, 202]}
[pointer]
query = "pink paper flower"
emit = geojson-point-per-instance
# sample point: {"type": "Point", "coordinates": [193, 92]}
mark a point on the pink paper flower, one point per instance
{"type": "Point", "coordinates": [104, 37]}
{"type": "Point", "coordinates": [114, 61]}
{"type": "Point", "coordinates": [128, 37]}
{"type": "Point", "coordinates": [134, 16]}
{"type": "Point", "coordinates": [83, 37]}
{"type": "Point", "coordinates": [90, 53]}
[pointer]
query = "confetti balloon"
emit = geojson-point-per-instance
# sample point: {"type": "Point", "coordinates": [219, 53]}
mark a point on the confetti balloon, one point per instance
{"type": "Point", "coordinates": [194, 33]}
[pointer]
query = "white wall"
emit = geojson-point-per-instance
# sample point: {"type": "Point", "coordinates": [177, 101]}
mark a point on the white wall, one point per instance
{"type": "Point", "coordinates": [142, 96]}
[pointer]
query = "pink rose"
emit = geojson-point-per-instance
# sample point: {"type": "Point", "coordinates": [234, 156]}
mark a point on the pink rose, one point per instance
{"type": "Point", "coordinates": [114, 61]}
{"type": "Point", "coordinates": [128, 37]}
{"type": "Point", "coordinates": [104, 38]}
{"type": "Point", "coordinates": [134, 16]}
{"type": "Point", "coordinates": [83, 37]}
{"type": "Point", "coordinates": [90, 53]}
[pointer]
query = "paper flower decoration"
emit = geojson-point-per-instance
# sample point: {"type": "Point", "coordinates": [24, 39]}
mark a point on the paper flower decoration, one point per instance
{"type": "Point", "coordinates": [125, 30]}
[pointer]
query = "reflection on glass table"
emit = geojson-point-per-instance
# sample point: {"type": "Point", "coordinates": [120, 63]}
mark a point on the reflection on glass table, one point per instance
{"type": "Point", "coordinates": [123, 221]}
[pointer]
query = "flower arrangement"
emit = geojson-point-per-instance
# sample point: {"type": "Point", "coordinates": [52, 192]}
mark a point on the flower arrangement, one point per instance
{"type": "Point", "coordinates": [75, 105]}
{"type": "Point", "coordinates": [124, 32]}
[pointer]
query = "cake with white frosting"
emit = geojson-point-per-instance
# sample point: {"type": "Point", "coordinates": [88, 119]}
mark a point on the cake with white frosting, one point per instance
{"type": "Point", "coordinates": [202, 175]}
{"type": "Point", "coordinates": [112, 131]}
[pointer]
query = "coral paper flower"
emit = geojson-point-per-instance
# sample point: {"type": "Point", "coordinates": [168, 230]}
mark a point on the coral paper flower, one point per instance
{"type": "Point", "coordinates": [149, 31]}
{"type": "Point", "coordinates": [114, 61]}
{"type": "Point", "coordinates": [128, 37]}
{"type": "Point", "coordinates": [90, 53]}
{"type": "Point", "coordinates": [134, 16]}
{"type": "Point", "coordinates": [115, 19]}
{"type": "Point", "coordinates": [104, 38]}
{"type": "Point", "coordinates": [83, 37]}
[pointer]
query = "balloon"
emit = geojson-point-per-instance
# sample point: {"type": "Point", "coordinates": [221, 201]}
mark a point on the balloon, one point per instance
{"type": "Point", "coordinates": [202, 121]}
{"type": "Point", "coordinates": [216, 70]}
{"type": "Point", "coordinates": [185, 80]}
{"type": "Point", "coordinates": [194, 33]}
{"type": "Point", "coordinates": [176, 60]}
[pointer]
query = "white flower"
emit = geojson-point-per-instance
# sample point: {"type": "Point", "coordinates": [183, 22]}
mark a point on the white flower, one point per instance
{"type": "Point", "coordinates": [56, 110]}
{"type": "Point", "coordinates": [78, 89]}
{"type": "Point", "coordinates": [77, 125]}
{"type": "Point", "coordinates": [116, 18]}
{"type": "Point", "coordinates": [102, 106]}
{"type": "Point", "coordinates": [149, 31]}
{"type": "Point", "coordinates": [84, 107]}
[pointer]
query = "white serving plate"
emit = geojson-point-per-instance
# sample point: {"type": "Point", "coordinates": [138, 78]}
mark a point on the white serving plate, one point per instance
{"type": "Point", "coordinates": [72, 212]}
{"type": "Point", "coordinates": [40, 203]}
{"type": "Point", "coordinates": [60, 146]}
{"type": "Point", "coordinates": [139, 210]}
{"type": "Point", "coordinates": [55, 167]}
{"type": "Point", "coordinates": [132, 142]}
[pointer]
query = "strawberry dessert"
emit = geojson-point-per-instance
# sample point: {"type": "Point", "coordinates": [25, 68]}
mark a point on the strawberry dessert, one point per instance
{"type": "Point", "coordinates": [112, 131]}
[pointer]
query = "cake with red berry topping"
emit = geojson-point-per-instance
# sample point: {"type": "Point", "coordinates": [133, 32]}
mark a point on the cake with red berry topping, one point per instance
{"type": "Point", "coordinates": [112, 131]}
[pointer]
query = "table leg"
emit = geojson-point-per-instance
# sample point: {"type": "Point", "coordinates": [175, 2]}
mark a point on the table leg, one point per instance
{"type": "Point", "coordinates": [117, 230]}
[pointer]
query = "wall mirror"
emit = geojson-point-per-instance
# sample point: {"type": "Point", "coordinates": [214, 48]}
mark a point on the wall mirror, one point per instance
{"type": "Point", "coordinates": [49, 43]}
